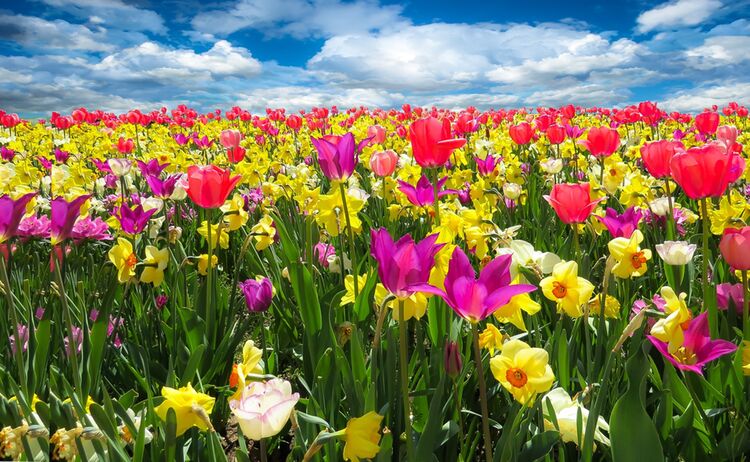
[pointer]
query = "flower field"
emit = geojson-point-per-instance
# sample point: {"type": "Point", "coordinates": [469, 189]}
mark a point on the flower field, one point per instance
{"type": "Point", "coordinates": [418, 284]}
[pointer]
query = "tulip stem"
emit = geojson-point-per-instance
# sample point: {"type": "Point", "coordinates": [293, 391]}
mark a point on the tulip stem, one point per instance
{"type": "Point", "coordinates": [436, 196]}
{"type": "Point", "coordinates": [350, 235]}
{"type": "Point", "coordinates": [576, 247]}
{"type": "Point", "coordinates": [709, 429]}
{"type": "Point", "coordinates": [263, 455]}
{"type": "Point", "coordinates": [402, 324]}
{"type": "Point", "coordinates": [482, 394]}
{"type": "Point", "coordinates": [72, 343]}
{"type": "Point", "coordinates": [745, 305]}
{"type": "Point", "coordinates": [671, 230]}
{"type": "Point", "coordinates": [14, 320]}
{"type": "Point", "coordinates": [713, 317]}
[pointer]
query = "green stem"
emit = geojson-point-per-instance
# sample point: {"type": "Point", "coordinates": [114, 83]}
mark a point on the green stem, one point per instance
{"type": "Point", "coordinates": [482, 394]}
{"type": "Point", "coordinates": [701, 411]}
{"type": "Point", "coordinates": [209, 273]}
{"type": "Point", "coordinates": [713, 316]}
{"type": "Point", "coordinates": [671, 230]}
{"type": "Point", "coordinates": [15, 324]}
{"type": "Point", "coordinates": [576, 246]}
{"type": "Point", "coordinates": [69, 321]}
{"type": "Point", "coordinates": [745, 305]}
{"type": "Point", "coordinates": [402, 324]}
{"type": "Point", "coordinates": [436, 198]}
{"type": "Point", "coordinates": [350, 235]}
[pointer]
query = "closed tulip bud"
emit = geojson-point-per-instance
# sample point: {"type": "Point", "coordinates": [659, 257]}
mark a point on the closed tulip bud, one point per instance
{"type": "Point", "coordinates": [230, 138]}
{"type": "Point", "coordinates": [377, 133]}
{"type": "Point", "coordinates": [383, 163]}
{"type": "Point", "coordinates": [735, 247]}
{"type": "Point", "coordinates": [452, 360]}
{"type": "Point", "coordinates": [258, 293]}
{"type": "Point", "coordinates": [512, 191]}
{"type": "Point", "coordinates": [676, 253]}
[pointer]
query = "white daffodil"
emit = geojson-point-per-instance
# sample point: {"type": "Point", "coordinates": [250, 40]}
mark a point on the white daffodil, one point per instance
{"type": "Point", "coordinates": [566, 413]}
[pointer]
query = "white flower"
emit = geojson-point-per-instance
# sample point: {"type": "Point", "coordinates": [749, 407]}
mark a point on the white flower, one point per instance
{"type": "Point", "coordinates": [552, 166]}
{"type": "Point", "coordinates": [137, 420]}
{"type": "Point", "coordinates": [566, 414]}
{"type": "Point", "coordinates": [660, 206]}
{"type": "Point", "coordinates": [524, 254]}
{"type": "Point", "coordinates": [512, 190]}
{"type": "Point", "coordinates": [264, 408]}
{"type": "Point", "coordinates": [676, 253]}
{"type": "Point", "coordinates": [180, 189]}
{"type": "Point", "coordinates": [120, 167]}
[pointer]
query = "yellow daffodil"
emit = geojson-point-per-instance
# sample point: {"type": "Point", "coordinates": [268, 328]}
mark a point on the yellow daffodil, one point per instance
{"type": "Point", "coordinates": [124, 259]}
{"type": "Point", "coordinates": [264, 233]}
{"type": "Point", "coordinates": [203, 263]}
{"type": "Point", "coordinates": [671, 329]}
{"type": "Point", "coordinates": [362, 437]}
{"type": "Point", "coordinates": [331, 213]}
{"type": "Point", "coordinates": [251, 357]}
{"type": "Point", "coordinates": [414, 307]}
{"type": "Point", "coordinates": [235, 215]}
{"type": "Point", "coordinates": [491, 339]}
{"type": "Point", "coordinates": [566, 288]}
{"type": "Point", "coordinates": [746, 357]}
{"type": "Point", "coordinates": [522, 370]}
{"type": "Point", "coordinates": [191, 408]}
{"type": "Point", "coordinates": [611, 306]}
{"type": "Point", "coordinates": [348, 297]}
{"type": "Point", "coordinates": [219, 235]}
{"type": "Point", "coordinates": [631, 259]}
{"type": "Point", "coordinates": [511, 311]}
{"type": "Point", "coordinates": [155, 263]}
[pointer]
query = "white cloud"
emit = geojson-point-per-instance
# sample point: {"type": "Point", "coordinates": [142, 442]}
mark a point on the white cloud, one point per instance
{"type": "Point", "coordinates": [463, 100]}
{"type": "Point", "coordinates": [696, 99]}
{"type": "Point", "coordinates": [8, 76]}
{"type": "Point", "coordinates": [457, 56]}
{"type": "Point", "coordinates": [151, 61]}
{"type": "Point", "coordinates": [297, 97]}
{"type": "Point", "coordinates": [114, 13]}
{"type": "Point", "coordinates": [719, 51]}
{"type": "Point", "coordinates": [677, 14]}
{"type": "Point", "coordinates": [36, 32]}
{"type": "Point", "coordinates": [300, 18]}
{"type": "Point", "coordinates": [584, 94]}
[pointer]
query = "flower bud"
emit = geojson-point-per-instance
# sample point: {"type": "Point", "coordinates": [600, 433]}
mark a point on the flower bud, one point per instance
{"type": "Point", "coordinates": [452, 359]}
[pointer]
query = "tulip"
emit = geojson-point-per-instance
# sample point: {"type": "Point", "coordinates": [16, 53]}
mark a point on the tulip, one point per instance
{"type": "Point", "coordinates": [210, 186]}
{"type": "Point", "coordinates": [235, 154]}
{"type": "Point", "coordinates": [555, 134]}
{"type": "Point", "coordinates": [727, 292]}
{"type": "Point", "coordinates": [258, 293]}
{"type": "Point", "coordinates": [521, 134]}
{"type": "Point", "coordinates": [424, 193]}
{"type": "Point", "coordinates": [487, 165]}
{"type": "Point", "coordinates": [133, 220]}
{"type": "Point", "coordinates": [431, 142]}
{"type": "Point", "coordinates": [230, 138]}
{"type": "Point", "coordinates": [404, 266]}
{"type": "Point", "coordinates": [707, 122]}
{"type": "Point", "coordinates": [735, 247]}
{"type": "Point", "coordinates": [63, 217]}
{"type": "Point", "coordinates": [572, 202]}
{"type": "Point", "coordinates": [727, 135]}
{"type": "Point", "coordinates": [337, 155]}
{"type": "Point", "coordinates": [602, 141]}
{"type": "Point", "coordinates": [120, 167]}
{"type": "Point", "coordinates": [452, 360]}
{"type": "Point", "coordinates": [703, 171]}
{"type": "Point", "coordinates": [566, 417]}
{"type": "Point", "coordinates": [697, 348]}
{"type": "Point", "coordinates": [152, 167]}
{"type": "Point", "coordinates": [475, 299]}
{"type": "Point", "coordinates": [376, 133]}
{"type": "Point", "coordinates": [383, 163]}
{"type": "Point", "coordinates": [676, 253]}
{"type": "Point", "coordinates": [162, 189]}
{"type": "Point", "coordinates": [11, 213]}
{"type": "Point", "coordinates": [264, 408]}
{"type": "Point", "coordinates": [125, 146]}
{"type": "Point", "coordinates": [294, 122]}
{"type": "Point", "coordinates": [621, 225]}
{"type": "Point", "coordinates": [657, 155]}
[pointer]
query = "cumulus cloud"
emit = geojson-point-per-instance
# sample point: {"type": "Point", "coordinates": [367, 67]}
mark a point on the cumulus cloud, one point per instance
{"type": "Point", "coordinates": [299, 18]}
{"type": "Point", "coordinates": [586, 94]}
{"type": "Point", "coordinates": [719, 93]}
{"type": "Point", "coordinates": [719, 51]}
{"type": "Point", "coordinates": [677, 14]}
{"type": "Point", "coordinates": [113, 13]}
{"type": "Point", "coordinates": [298, 97]}
{"type": "Point", "coordinates": [34, 32]}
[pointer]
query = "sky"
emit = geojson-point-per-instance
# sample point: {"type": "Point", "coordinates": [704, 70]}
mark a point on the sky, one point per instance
{"type": "Point", "coordinates": [117, 55]}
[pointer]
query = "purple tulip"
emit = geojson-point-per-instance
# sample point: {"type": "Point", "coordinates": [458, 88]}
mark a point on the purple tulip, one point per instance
{"type": "Point", "coordinates": [697, 349]}
{"type": "Point", "coordinates": [162, 188]}
{"type": "Point", "coordinates": [730, 292]}
{"type": "Point", "coordinates": [423, 194]}
{"type": "Point", "coordinates": [474, 299]}
{"type": "Point", "coordinates": [133, 220]}
{"type": "Point", "coordinates": [337, 155]}
{"type": "Point", "coordinates": [152, 167]}
{"type": "Point", "coordinates": [63, 217]}
{"type": "Point", "coordinates": [621, 225]}
{"type": "Point", "coordinates": [487, 166]}
{"type": "Point", "coordinates": [11, 213]}
{"type": "Point", "coordinates": [258, 294]}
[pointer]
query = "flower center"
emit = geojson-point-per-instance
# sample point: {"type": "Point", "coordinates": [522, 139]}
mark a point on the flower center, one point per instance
{"type": "Point", "coordinates": [685, 356]}
{"type": "Point", "coordinates": [516, 377]}
{"type": "Point", "coordinates": [638, 260]}
{"type": "Point", "coordinates": [131, 260]}
{"type": "Point", "coordinates": [559, 290]}
{"type": "Point", "coordinates": [613, 172]}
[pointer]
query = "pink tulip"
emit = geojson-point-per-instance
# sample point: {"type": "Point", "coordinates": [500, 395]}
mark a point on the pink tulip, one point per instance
{"type": "Point", "coordinates": [735, 247]}
{"type": "Point", "coordinates": [475, 299]}
{"type": "Point", "coordinates": [230, 138]}
{"type": "Point", "coordinates": [383, 163]}
{"type": "Point", "coordinates": [572, 202]}
{"type": "Point", "coordinates": [377, 133]}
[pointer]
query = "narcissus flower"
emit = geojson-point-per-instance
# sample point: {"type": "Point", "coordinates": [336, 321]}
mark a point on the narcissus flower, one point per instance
{"type": "Point", "coordinates": [192, 408]}
{"type": "Point", "coordinates": [362, 437]}
{"type": "Point", "coordinates": [203, 263]}
{"type": "Point", "coordinates": [264, 408]}
{"type": "Point", "coordinates": [631, 259]}
{"type": "Point", "coordinates": [235, 215]}
{"type": "Point", "coordinates": [491, 339]}
{"type": "Point", "coordinates": [511, 311]}
{"type": "Point", "coordinates": [431, 142]}
{"type": "Point", "coordinates": [264, 233]}
{"type": "Point", "coordinates": [474, 299]}
{"type": "Point", "coordinates": [566, 414]}
{"type": "Point", "coordinates": [124, 259]}
{"type": "Point", "coordinates": [155, 263]}
{"type": "Point", "coordinates": [522, 370]}
{"type": "Point", "coordinates": [671, 329]}
{"type": "Point", "coordinates": [219, 235]}
{"type": "Point", "coordinates": [697, 349]}
{"type": "Point", "coordinates": [566, 288]}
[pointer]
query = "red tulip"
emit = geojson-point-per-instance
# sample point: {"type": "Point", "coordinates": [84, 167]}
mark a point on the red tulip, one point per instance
{"type": "Point", "coordinates": [294, 122]}
{"type": "Point", "coordinates": [707, 122]}
{"type": "Point", "coordinates": [602, 141]}
{"type": "Point", "coordinates": [705, 171]}
{"type": "Point", "coordinates": [383, 163]}
{"type": "Point", "coordinates": [735, 247]}
{"type": "Point", "coordinates": [235, 154]}
{"type": "Point", "coordinates": [572, 202]}
{"type": "Point", "coordinates": [521, 134]}
{"type": "Point", "coordinates": [125, 146]}
{"type": "Point", "coordinates": [431, 142]}
{"type": "Point", "coordinates": [556, 134]}
{"type": "Point", "coordinates": [230, 138]}
{"type": "Point", "coordinates": [657, 155]}
{"type": "Point", "coordinates": [210, 186]}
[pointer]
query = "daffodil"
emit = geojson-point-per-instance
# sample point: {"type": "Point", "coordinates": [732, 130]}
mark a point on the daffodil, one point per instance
{"type": "Point", "coordinates": [511, 311]}
{"type": "Point", "coordinates": [124, 259]}
{"type": "Point", "coordinates": [219, 234]}
{"type": "Point", "coordinates": [191, 408]}
{"type": "Point", "coordinates": [155, 263]}
{"type": "Point", "coordinates": [203, 263]}
{"type": "Point", "coordinates": [566, 288]}
{"type": "Point", "coordinates": [348, 297]}
{"type": "Point", "coordinates": [251, 364]}
{"type": "Point", "coordinates": [264, 233]}
{"type": "Point", "coordinates": [611, 306]}
{"type": "Point", "coordinates": [331, 213]}
{"type": "Point", "coordinates": [491, 339]}
{"type": "Point", "coordinates": [235, 215]}
{"type": "Point", "coordinates": [671, 329]}
{"type": "Point", "coordinates": [522, 370]}
{"type": "Point", "coordinates": [746, 357]}
{"type": "Point", "coordinates": [568, 412]}
{"type": "Point", "coordinates": [362, 437]}
{"type": "Point", "coordinates": [415, 305]}
{"type": "Point", "coordinates": [631, 259]}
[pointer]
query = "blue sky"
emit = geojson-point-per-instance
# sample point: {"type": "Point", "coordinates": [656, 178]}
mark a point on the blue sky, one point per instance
{"type": "Point", "coordinates": [118, 55]}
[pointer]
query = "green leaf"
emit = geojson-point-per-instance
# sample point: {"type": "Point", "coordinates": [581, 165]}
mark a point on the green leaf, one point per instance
{"type": "Point", "coordinates": [192, 365]}
{"type": "Point", "coordinates": [539, 446]}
